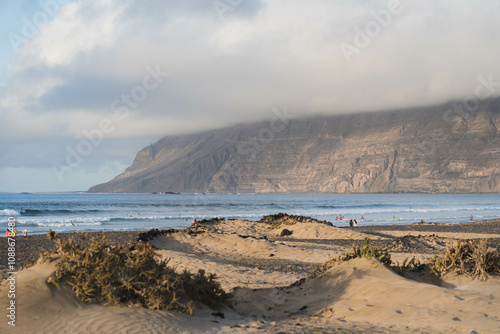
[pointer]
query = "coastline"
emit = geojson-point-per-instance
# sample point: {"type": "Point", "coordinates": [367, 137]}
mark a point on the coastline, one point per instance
{"type": "Point", "coordinates": [271, 278]}
{"type": "Point", "coordinates": [32, 246]}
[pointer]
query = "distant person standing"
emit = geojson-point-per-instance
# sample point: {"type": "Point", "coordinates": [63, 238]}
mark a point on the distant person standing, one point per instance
{"type": "Point", "coordinates": [471, 217]}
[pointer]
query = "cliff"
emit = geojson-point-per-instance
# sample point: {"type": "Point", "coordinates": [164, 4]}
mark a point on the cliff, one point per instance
{"type": "Point", "coordinates": [446, 148]}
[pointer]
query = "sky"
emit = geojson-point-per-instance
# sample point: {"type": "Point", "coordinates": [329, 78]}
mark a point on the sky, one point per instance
{"type": "Point", "coordinates": [85, 84]}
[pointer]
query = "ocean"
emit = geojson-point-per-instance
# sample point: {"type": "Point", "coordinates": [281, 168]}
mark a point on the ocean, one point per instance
{"type": "Point", "coordinates": [72, 212]}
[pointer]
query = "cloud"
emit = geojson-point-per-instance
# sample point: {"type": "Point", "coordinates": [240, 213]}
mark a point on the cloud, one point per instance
{"type": "Point", "coordinates": [83, 92]}
{"type": "Point", "coordinates": [236, 62]}
{"type": "Point", "coordinates": [263, 54]}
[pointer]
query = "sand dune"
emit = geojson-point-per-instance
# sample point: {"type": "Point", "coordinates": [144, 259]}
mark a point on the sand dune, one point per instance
{"type": "Point", "coordinates": [300, 230]}
{"type": "Point", "coordinates": [363, 290]}
{"type": "Point", "coordinates": [241, 261]}
{"type": "Point", "coordinates": [44, 308]}
{"type": "Point", "coordinates": [274, 291]}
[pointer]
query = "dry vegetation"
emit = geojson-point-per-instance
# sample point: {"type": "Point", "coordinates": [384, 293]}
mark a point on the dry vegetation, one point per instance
{"type": "Point", "coordinates": [277, 220]}
{"type": "Point", "coordinates": [130, 275]}
{"type": "Point", "coordinates": [467, 257]}
{"type": "Point", "coordinates": [464, 257]}
{"type": "Point", "coordinates": [366, 251]}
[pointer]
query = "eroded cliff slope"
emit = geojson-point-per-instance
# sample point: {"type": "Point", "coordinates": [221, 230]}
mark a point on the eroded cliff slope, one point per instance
{"type": "Point", "coordinates": [446, 148]}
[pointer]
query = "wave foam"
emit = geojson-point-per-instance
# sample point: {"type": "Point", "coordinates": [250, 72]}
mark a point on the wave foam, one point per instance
{"type": "Point", "coordinates": [9, 212]}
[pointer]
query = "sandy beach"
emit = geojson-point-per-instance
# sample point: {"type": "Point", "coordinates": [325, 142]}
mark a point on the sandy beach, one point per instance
{"type": "Point", "coordinates": [271, 278]}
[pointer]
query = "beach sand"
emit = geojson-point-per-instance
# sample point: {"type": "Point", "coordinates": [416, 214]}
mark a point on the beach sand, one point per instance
{"type": "Point", "coordinates": [274, 291]}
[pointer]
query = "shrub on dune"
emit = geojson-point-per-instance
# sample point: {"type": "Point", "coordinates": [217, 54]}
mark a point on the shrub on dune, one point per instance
{"type": "Point", "coordinates": [464, 257]}
{"type": "Point", "coordinates": [367, 251]}
{"type": "Point", "coordinates": [467, 257]}
{"type": "Point", "coordinates": [130, 275]}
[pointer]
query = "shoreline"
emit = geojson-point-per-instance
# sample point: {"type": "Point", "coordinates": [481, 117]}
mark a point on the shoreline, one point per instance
{"type": "Point", "coordinates": [29, 248]}
{"type": "Point", "coordinates": [417, 226]}
{"type": "Point", "coordinates": [128, 212]}
{"type": "Point", "coordinates": [271, 276]}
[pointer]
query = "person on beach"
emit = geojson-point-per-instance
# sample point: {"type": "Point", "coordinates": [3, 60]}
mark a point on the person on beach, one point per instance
{"type": "Point", "coordinates": [362, 218]}
{"type": "Point", "coordinates": [350, 223]}
{"type": "Point", "coordinates": [25, 232]}
{"type": "Point", "coordinates": [471, 217]}
{"type": "Point", "coordinates": [355, 222]}
{"type": "Point", "coordinates": [8, 233]}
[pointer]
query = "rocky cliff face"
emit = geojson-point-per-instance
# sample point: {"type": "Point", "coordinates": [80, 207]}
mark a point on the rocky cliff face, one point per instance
{"type": "Point", "coordinates": [445, 148]}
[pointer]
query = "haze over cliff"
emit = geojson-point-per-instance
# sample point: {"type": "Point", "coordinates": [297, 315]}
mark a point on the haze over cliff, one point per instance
{"type": "Point", "coordinates": [453, 147]}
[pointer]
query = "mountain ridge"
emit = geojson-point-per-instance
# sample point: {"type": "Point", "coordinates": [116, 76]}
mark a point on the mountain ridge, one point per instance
{"type": "Point", "coordinates": [433, 149]}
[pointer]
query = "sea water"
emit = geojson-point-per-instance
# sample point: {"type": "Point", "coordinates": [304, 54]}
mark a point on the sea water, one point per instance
{"type": "Point", "coordinates": [72, 212]}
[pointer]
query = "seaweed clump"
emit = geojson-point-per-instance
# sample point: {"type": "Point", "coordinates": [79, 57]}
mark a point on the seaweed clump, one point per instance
{"type": "Point", "coordinates": [467, 257]}
{"type": "Point", "coordinates": [130, 275]}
